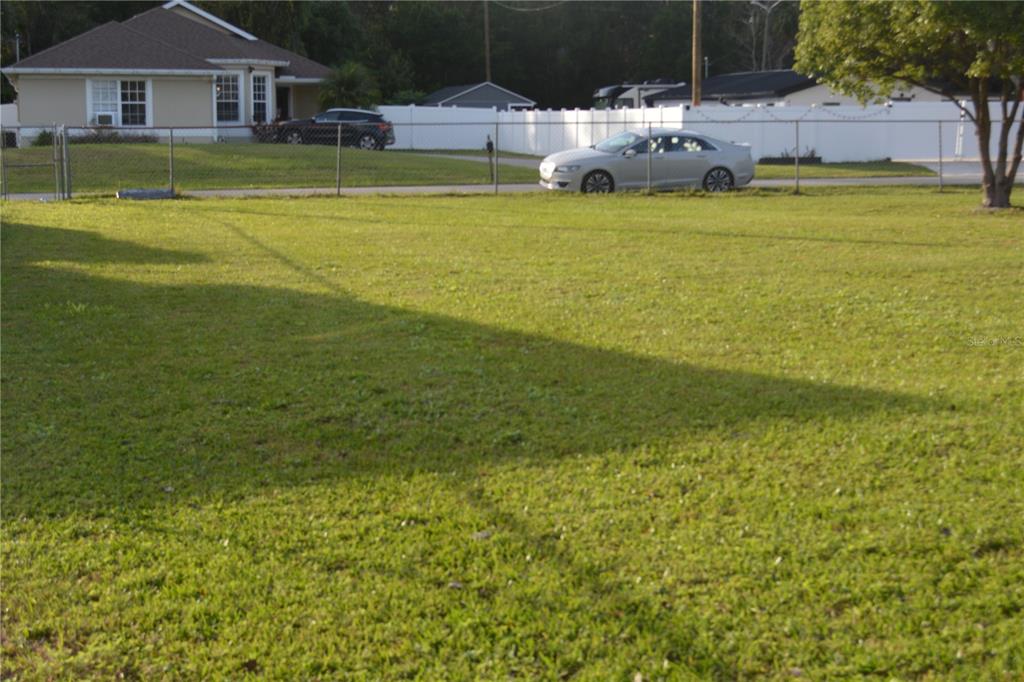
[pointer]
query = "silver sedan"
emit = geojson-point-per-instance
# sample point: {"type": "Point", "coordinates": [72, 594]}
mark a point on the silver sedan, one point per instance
{"type": "Point", "coordinates": [672, 158]}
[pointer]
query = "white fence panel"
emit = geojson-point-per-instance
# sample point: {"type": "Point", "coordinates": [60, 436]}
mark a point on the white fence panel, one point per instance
{"type": "Point", "coordinates": [904, 130]}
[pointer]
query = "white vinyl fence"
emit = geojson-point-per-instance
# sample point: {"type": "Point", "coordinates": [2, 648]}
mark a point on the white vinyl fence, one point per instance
{"type": "Point", "coordinates": [913, 131]}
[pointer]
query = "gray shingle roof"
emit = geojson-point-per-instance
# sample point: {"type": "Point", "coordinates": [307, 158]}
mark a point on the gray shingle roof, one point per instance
{"type": "Point", "coordinates": [211, 43]}
{"type": "Point", "coordinates": [439, 96]}
{"type": "Point", "coordinates": [114, 46]}
{"type": "Point", "coordinates": [742, 85]}
{"type": "Point", "coordinates": [162, 39]}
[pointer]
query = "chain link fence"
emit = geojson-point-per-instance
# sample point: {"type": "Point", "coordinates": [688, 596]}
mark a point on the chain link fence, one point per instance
{"type": "Point", "coordinates": [62, 162]}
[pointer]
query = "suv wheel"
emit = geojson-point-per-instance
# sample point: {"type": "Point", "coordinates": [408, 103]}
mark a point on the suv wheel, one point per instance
{"type": "Point", "coordinates": [367, 141]}
{"type": "Point", "coordinates": [293, 137]}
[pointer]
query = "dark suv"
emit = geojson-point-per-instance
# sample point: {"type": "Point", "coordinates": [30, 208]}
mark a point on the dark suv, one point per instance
{"type": "Point", "coordinates": [358, 128]}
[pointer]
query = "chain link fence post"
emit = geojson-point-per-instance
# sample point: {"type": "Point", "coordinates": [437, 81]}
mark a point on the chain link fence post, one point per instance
{"type": "Point", "coordinates": [66, 161]}
{"type": "Point", "coordinates": [796, 157]}
{"type": "Point", "coordinates": [496, 125]}
{"type": "Point", "coordinates": [170, 158]}
{"type": "Point", "coordinates": [940, 156]}
{"type": "Point", "coordinates": [337, 166]}
{"type": "Point", "coordinates": [56, 166]}
{"type": "Point", "coordinates": [5, 191]}
{"type": "Point", "coordinates": [650, 143]}
{"type": "Point", "coordinates": [489, 147]}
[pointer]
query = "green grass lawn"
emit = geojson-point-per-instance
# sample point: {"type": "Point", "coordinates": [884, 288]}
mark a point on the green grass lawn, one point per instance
{"type": "Point", "coordinates": [469, 152]}
{"type": "Point", "coordinates": [533, 436]}
{"type": "Point", "coordinates": [105, 168]}
{"type": "Point", "coordinates": [860, 169]}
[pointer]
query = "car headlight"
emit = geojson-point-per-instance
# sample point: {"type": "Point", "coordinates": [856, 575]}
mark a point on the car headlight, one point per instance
{"type": "Point", "coordinates": [566, 169]}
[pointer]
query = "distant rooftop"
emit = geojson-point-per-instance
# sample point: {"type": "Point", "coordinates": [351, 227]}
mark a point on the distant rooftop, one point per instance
{"type": "Point", "coordinates": [741, 85]}
{"type": "Point", "coordinates": [449, 94]}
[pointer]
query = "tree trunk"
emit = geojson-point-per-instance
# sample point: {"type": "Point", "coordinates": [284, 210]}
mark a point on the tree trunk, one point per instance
{"type": "Point", "coordinates": [990, 195]}
{"type": "Point", "coordinates": [997, 194]}
{"type": "Point", "coordinates": [998, 175]}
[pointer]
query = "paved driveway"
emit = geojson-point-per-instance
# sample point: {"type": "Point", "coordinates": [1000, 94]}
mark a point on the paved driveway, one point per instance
{"type": "Point", "coordinates": [953, 173]}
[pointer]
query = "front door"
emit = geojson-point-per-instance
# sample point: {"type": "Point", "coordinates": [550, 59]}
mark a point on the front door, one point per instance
{"type": "Point", "coordinates": [282, 100]}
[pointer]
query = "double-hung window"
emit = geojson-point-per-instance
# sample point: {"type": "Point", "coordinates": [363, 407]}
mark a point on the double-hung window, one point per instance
{"type": "Point", "coordinates": [105, 102]}
{"type": "Point", "coordinates": [133, 103]}
{"type": "Point", "coordinates": [228, 102]}
{"type": "Point", "coordinates": [259, 99]}
{"type": "Point", "coordinates": [119, 103]}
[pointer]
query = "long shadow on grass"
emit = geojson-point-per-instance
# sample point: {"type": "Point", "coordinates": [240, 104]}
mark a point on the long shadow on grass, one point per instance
{"type": "Point", "coordinates": [219, 386]}
{"type": "Point", "coordinates": [147, 396]}
{"type": "Point", "coordinates": [30, 244]}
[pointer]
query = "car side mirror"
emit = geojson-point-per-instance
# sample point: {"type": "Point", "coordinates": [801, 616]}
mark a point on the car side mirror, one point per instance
{"type": "Point", "coordinates": [629, 153]}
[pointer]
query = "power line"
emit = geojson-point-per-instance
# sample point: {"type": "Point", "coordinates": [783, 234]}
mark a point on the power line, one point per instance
{"type": "Point", "coordinates": [530, 9]}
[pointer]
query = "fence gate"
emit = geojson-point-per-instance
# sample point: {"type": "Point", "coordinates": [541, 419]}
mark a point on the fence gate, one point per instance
{"type": "Point", "coordinates": [25, 170]}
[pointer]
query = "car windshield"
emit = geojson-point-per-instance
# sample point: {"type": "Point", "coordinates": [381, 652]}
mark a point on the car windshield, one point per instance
{"type": "Point", "coordinates": [614, 145]}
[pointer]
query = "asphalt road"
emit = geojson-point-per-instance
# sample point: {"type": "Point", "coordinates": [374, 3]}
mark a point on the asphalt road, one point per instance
{"type": "Point", "coordinates": [953, 173]}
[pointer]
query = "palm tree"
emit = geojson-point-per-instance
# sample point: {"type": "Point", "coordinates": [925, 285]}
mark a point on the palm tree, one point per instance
{"type": "Point", "coordinates": [350, 85]}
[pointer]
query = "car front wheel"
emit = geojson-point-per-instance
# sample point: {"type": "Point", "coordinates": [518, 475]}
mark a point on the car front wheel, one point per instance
{"type": "Point", "coordinates": [718, 180]}
{"type": "Point", "coordinates": [598, 182]}
{"type": "Point", "coordinates": [293, 137]}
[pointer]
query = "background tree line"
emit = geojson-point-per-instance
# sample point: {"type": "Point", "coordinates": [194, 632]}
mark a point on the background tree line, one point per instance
{"type": "Point", "coordinates": [554, 52]}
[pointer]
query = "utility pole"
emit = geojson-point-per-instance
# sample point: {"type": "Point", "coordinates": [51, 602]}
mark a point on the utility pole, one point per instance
{"type": "Point", "coordinates": [487, 42]}
{"type": "Point", "coordinates": [695, 62]}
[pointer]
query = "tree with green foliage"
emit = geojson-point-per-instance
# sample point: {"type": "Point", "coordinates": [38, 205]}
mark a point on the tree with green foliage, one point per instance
{"type": "Point", "coordinates": [556, 53]}
{"type": "Point", "coordinates": [280, 22]}
{"type": "Point", "coordinates": [350, 85]}
{"type": "Point", "coordinates": [865, 48]}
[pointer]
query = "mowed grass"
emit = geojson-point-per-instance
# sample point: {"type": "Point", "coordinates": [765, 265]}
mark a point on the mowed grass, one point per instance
{"type": "Point", "coordinates": [857, 169]}
{"type": "Point", "coordinates": [106, 168]}
{"type": "Point", "coordinates": [543, 437]}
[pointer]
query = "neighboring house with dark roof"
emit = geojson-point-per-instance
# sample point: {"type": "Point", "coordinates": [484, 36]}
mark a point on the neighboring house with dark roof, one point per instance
{"type": "Point", "coordinates": [631, 95]}
{"type": "Point", "coordinates": [783, 86]}
{"type": "Point", "coordinates": [175, 65]}
{"type": "Point", "coordinates": [484, 95]}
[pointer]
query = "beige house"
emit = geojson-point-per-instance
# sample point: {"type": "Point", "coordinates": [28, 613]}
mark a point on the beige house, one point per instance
{"type": "Point", "coordinates": [173, 66]}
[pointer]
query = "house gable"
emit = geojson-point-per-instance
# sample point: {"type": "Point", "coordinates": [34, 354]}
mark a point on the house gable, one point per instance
{"type": "Point", "coordinates": [479, 95]}
{"type": "Point", "coordinates": [218, 47]}
{"type": "Point", "coordinates": [190, 11]}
